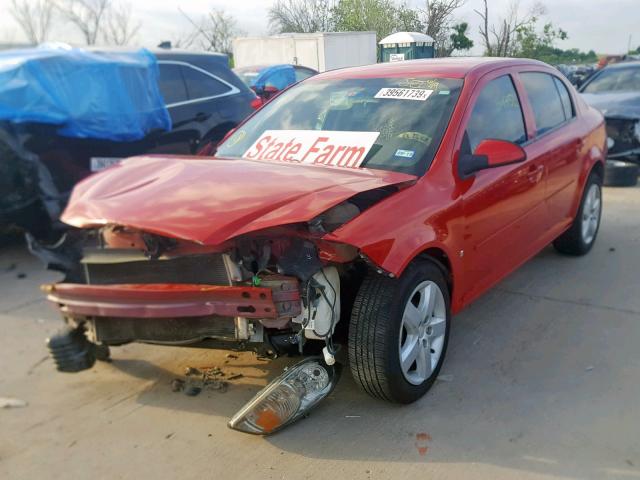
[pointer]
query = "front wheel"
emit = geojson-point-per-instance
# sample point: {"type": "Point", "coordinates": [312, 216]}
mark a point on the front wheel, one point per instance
{"type": "Point", "coordinates": [399, 331]}
{"type": "Point", "coordinates": [579, 239]}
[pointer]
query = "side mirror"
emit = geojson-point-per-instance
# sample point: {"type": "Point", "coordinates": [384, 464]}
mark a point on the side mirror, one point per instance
{"type": "Point", "coordinates": [490, 154]}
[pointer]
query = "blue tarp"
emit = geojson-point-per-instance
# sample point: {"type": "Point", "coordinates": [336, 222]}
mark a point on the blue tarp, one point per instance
{"type": "Point", "coordinates": [279, 76]}
{"type": "Point", "coordinates": [103, 95]}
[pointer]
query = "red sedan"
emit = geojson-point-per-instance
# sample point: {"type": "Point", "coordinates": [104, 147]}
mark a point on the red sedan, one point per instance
{"type": "Point", "coordinates": [362, 207]}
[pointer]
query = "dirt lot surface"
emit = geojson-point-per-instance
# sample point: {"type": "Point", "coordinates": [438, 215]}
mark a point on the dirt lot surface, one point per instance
{"type": "Point", "coordinates": [542, 380]}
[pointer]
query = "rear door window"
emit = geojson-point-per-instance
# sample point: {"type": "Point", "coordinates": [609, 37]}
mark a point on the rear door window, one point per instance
{"type": "Point", "coordinates": [202, 85]}
{"type": "Point", "coordinates": [172, 84]}
{"type": "Point", "coordinates": [545, 100]}
{"type": "Point", "coordinates": [497, 114]}
{"type": "Point", "coordinates": [565, 98]}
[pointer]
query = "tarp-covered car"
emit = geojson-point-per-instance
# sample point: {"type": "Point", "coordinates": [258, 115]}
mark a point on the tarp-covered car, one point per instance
{"type": "Point", "coordinates": [362, 207]}
{"type": "Point", "coordinates": [55, 92]}
{"type": "Point", "coordinates": [67, 112]}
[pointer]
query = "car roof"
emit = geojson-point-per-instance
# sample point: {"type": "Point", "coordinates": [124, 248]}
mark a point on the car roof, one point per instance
{"type": "Point", "coordinates": [451, 67]}
{"type": "Point", "coordinates": [625, 64]}
{"type": "Point", "coordinates": [263, 67]}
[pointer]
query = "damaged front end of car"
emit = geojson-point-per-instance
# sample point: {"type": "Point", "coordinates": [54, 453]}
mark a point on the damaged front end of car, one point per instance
{"type": "Point", "coordinates": [623, 137]}
{"type": "Point", "coordinates": [274, 291]}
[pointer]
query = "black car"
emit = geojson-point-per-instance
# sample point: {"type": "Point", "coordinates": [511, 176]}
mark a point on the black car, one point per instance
{"type": "Point", "coordinates": [39, 167]}
{"type": "Point", "coordinates": [615, 91]}
{"type": "Point", "coordinates": [205, 100]}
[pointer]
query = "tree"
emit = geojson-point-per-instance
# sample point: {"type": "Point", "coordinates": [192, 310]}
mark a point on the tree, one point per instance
{"type": "Point", "coordinates": [381, 16]}
{"type": "Point", "coordinates": [301, 16]}
{"type": "Point", "coordinates": [500, 41]}
{"type": "Point", "coordinates": [34, 17]}
{"type": "Point", "coordinates": [120, 28]}
{"type": "Point", "coordinates": [530, 43]}
{"type": "Point", "coordinates": [214, 31]}
{"type": "Point", "coordinates": [438, 19]}
{"type": "Point", "coordinates": [87, 16]}
{"type": "Point", "coordinates": [458, 39]}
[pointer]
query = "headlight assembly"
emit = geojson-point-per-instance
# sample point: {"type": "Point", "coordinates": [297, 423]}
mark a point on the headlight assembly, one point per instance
{"type": "Point", "coordinates": [287, 398]}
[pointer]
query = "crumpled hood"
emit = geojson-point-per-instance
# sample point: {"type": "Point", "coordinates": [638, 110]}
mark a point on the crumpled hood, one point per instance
{"type": "Point", "coordinates": [211, 200]}
{"type": "Point", "coordinates": [615, 105]}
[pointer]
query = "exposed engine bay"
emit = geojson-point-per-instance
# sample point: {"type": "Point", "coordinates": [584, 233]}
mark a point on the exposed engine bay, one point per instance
{"type": "Point", "coordinates": [623, 138]}
{"type": "Point", "coordinates": [277, 291]}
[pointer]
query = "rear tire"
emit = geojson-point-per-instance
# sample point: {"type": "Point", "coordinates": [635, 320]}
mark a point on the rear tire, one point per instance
{"type": "Point", "coordinates": [400, 319]}
{"type": "Point", "coordinates": [579, 239]}
{"type": "Point", "coordinates": [620, 174]}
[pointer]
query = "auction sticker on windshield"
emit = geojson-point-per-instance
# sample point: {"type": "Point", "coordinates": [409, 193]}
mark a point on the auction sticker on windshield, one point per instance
{"type": "Point", "coordinates": [404, 93]}
{"type": "Point", "coordinates": [317, 147]}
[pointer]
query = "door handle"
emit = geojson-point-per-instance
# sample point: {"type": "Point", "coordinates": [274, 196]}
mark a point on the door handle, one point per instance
{"type": "Point", "coordinates": [202, 117]}
{"type": "Point", "coordinates": [535, 173]}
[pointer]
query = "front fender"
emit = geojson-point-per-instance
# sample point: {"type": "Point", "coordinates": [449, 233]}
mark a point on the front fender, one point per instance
{"type": "Point", "coordinates": [395, 231]}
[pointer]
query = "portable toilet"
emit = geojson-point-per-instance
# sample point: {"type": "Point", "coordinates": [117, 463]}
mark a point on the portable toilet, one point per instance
{"type": "Point", "coordinates": [406, 46]}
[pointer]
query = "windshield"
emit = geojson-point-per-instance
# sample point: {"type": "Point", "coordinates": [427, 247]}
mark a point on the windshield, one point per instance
{"type": "Point", "coordinates": [395, 123]}
{"type": "Point", "coordinates": [615, 80]}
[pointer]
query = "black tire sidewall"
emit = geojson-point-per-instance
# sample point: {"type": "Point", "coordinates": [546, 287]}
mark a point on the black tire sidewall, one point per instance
{"type": "Point", "coordinates": [624, 174]}
{"type": "Point", "coordinates": [416, 273]}
{"type": "Point", "coordinates": [593, 180]}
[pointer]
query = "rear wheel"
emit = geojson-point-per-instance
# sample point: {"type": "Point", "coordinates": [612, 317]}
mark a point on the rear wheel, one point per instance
{"type": "Point", "coordinates": [579, 239]}
{"type": "Point", "coordinates": [399, 331]}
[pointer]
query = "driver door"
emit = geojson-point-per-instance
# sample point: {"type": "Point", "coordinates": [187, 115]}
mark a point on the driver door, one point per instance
{"type": "Point", "coordinates": [504, 208]}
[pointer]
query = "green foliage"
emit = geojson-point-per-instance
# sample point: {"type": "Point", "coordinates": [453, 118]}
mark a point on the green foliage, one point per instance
{"type": "Point", "coordinates": [381, 16]}
{"type": "Point", "coordinates": [540, 45]}
{"type": "Point", "coordinates": [459, 39]}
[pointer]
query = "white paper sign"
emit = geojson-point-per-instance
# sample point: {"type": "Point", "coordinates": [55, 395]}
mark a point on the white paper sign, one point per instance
{"type": "Point", "coordinates": [396, 57]}
{"type": "Point", "coordinates": [317, 147]}
{"type": "Point", "coordinates": [404, 93]}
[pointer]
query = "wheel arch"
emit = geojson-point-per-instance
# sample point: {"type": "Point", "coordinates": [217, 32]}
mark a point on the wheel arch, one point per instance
{"type": "Point", "coordinates": [598, 168]}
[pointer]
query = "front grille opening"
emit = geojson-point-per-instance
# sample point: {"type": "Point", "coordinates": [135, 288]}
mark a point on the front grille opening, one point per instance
{"type": "Point", "coordinates": [195, 269]}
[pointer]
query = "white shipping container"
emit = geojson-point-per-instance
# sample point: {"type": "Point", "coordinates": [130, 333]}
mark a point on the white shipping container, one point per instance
{"type": "Point", "coordinates": [320, 51]}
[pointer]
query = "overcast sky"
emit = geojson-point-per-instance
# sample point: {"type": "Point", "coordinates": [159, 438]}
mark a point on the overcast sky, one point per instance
{"type": "Point", "coordinates": [601, 25]}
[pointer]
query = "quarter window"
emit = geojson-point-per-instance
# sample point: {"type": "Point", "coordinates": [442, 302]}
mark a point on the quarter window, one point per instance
{"type": "Point", "coordinates": [497, 114]}
{"type": "Point", "coordinates": [545, 100]}
{"type": "Point", "coordinates": [201, 85]}
{"type": "Point", "coordinates": [172, 84]}
{"type": "Point", "coordinates": [565, 98]}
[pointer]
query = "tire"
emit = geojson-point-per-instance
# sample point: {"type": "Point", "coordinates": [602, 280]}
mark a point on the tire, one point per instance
{"type": "Point", "coordinates": [378, 332]}
{"type": "Point", "coordinates": [579, 239]}
{"type": "Point", "coordinates": [620, 174]}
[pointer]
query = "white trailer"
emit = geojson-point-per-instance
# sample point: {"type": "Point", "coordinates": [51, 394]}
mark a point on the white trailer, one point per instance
{"type": "Point", "coordinates": [320, 51]}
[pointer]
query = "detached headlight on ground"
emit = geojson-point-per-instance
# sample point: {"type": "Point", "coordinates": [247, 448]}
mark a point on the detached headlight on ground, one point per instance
{"type": "Point", "coordinates": [287, 398]}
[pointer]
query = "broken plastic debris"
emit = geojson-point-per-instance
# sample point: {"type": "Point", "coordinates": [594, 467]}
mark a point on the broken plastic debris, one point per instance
{"type": "Point", "coordinates": [7, 402]}
{"type": "Point", "coordinates": [177, 385]}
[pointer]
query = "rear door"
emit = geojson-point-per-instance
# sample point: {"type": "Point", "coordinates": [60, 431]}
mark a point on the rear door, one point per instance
{"type": "Point", "coordinates": [557, 140]}
{"type": "Point", "coordinates": [196, 109]}
{"type": "Point", "coordinates": [504, 207]}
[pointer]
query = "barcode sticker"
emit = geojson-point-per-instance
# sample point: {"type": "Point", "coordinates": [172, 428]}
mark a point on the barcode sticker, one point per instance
{"type": "Point", "coordinates": [404, 93]}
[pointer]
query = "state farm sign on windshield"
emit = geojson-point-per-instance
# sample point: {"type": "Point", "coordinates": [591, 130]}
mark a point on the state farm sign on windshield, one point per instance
{"type": "Point", "coordinates": [316, 147]}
